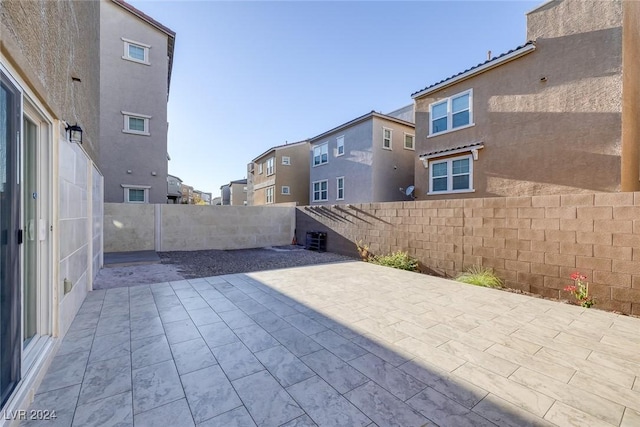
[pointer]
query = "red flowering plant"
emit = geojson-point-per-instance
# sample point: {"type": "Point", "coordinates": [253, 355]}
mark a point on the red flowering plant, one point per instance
{"type": "Point", "coordinates": [580, 290]}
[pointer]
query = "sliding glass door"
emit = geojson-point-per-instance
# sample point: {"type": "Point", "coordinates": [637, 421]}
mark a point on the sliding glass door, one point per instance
{"type": "Point", "coordinates": [29, 259]}
{"type": "Point", "coordinates": [10, 238]}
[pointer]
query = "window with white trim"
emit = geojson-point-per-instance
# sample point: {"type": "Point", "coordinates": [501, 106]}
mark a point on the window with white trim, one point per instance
{"type": "Point", "coordinates": [286, 160]}
{"type": "Point", "coordinates": [268, 194]}
{"type": "Point", "coordinates": [340, 188]}
{"type": "Point", "coordinates": [270, 162]}
{"type": "Point", "coordinates": [320, 191]}
{"type": "Point", "coordinates": [452, 175]}
{"type": "Point", "coordinates": [386, 138]}
{"type": "Point", "coordinates": [286, 190]}
{"type": "Point", "coordinates": [409, 143]}
{"type": "Point", "coordinates": [451, 113]}
{"type": "Point", "coordinates": [340, 146]}
{"type": "Point", "coordinates": [137, 124]}
{"type": "Point", "coordinates": [136, 51]}
{"type": "Point", "coordinates": [321, 154]}
{"type": "Point", "coordinates": [136, 193]}
{"type": "Point", "coordinates": [259, 168]}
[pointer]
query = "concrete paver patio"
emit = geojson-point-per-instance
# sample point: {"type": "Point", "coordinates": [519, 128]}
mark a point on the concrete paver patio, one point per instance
{"type": "Point", "coordinates": [349, 344]}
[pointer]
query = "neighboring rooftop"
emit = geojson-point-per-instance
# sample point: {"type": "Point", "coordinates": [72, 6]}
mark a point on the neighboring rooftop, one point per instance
{"type": "Point", "coordinates": [361, 119]}
{"type": "Point", "coordinates": [477, 69]}
{"type": "Point", "coordinates": [237, 181]}
{"type": "Point", "coordinates": [280, 146]}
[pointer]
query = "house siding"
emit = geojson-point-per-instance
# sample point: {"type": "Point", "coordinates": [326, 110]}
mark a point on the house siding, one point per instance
{"type": "Point", "coordinates": [135, 88]}
{"type": "Point", "coordinates": [51, 42]}
{"type": "Point", "coordinates": [543, 137]}
{"type": "Point", "coordinates": [392, 169]}
{"type": "Point", "coordinates": [355, 165]}
{"type": "Point", "coordinates": [295, 176]}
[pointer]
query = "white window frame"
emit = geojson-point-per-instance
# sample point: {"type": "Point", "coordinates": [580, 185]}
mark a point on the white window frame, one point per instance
{"type": "Point", "coordinates": [271, 166]}
{"type": "Point", "coordinates": [321, 149]}
{"type": "Point", "coordinates": [313, 191]}
{"type": "Point", "coordinates": [339, 188]}
{"type": "Point", "coordinates": [260, 168]}
{"type": "Point", "coordinates": [449, 102]}
{"type": "Point", "coordinates": [413, 141]}
{"type": "Point", "coordinates": [339, 146]}
{"type": "Point", "coordinates": [127, 187]}
{"type": "Point", "coordinates": [286, 160]}
{"type": "Point", "coordinates": [285, 190]}
{"type": "Point", "coordinates": [384, 139]}
{"type": "Point", "coordinates": [449, 161]}
{"type": "Point", "coordinates": [269, 195]}
{"type": "Point", "coordinates": [126, 129]}
{"type": "Point", "coordinates": [145, 47]}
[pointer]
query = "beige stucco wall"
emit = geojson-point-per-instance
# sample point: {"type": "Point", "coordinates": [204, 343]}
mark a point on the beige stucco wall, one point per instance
{"type": "Point", "coordinates": [543, 137]}
{"type": "Point", "coordinates": [133, 227]}
{"type": "Point", "coordinates": [295, 175]}
{"type": "Point", "coordinates": [565, 17]}
{"type": "Point", "coordinates": [631, 97]}
{"type": "Point", "coordinates": [49, 42]}
{"type": "Point", "coordinates": [129, 227]}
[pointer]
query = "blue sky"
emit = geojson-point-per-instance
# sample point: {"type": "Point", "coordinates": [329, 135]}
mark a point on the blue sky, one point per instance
{"type": "Point", "coordinates": [251, 75]}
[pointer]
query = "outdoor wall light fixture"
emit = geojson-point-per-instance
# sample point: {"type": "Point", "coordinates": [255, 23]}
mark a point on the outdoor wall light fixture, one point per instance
{"type": "Point", "coordinates": [75, 133]}
{"type": "Point", "coordinates": [425, 162]}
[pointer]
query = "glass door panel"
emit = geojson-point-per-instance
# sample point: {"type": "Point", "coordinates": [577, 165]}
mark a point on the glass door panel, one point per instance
{"type": "Point", "coordinates": [30, 224]}
{"type": "Point", "coordinates": [10, 318]}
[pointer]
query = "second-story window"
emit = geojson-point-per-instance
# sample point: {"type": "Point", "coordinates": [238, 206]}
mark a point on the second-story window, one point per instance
{"type": "Point", "coordinates": [340, 146]}
{"type": "Point", "coordinates": [136, 51]}
{"type": "Point", "coordinates": [321, 154]}
{"type": "Point", "coordinates": [286, 160]}
{"type": "Point", "coordinates": [386, 138]}
{"type": "Point", "coordinates": [270, 162]}
{"type": "Point", "coordinates": [408, 141]}
{"type": "Point", "coordinates": [451, 113]}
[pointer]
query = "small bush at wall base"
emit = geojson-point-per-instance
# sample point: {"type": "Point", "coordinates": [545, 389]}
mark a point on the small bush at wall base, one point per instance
{"type": "Point", "coordinates": [398, 259]}
{"type": "Point", "coordinates": [480, 276]}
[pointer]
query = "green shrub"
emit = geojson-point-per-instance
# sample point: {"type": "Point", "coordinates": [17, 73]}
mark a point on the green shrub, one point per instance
{"type": "Point", "coordinates": [480, 276]}
{"type": "Point", "coordinates": [398, 259]}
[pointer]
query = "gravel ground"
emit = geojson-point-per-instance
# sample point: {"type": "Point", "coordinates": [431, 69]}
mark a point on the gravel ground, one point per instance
{"type": "Point", "coordinates": [194, 264]}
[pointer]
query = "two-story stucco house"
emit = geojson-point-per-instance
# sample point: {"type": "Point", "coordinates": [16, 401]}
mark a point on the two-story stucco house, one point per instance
{"type": "Point", "coordinates": [135, 73]}
{"type": "Point", "coordinates": [279, 175]}
{"type": "Point", "coordinates": [368, 159]}
{"type": "Point", "coordinates": [234, 193]}
{"type": "Point", "coordinates": [557, 114]}
{"type": "Point", "coordinates": [50, 191]}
